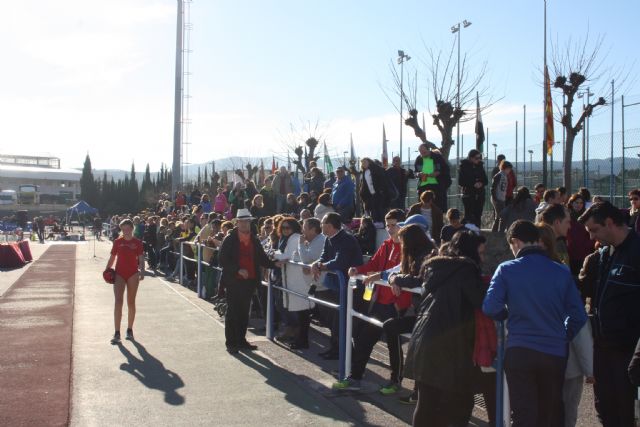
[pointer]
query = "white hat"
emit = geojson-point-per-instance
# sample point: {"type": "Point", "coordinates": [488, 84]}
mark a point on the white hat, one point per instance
{"type": "Point", "coordinates": [244, 214]}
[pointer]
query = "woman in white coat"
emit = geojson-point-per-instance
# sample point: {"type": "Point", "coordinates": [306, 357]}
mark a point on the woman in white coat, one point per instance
{"type": "Point", "coordinates": [293, 278]}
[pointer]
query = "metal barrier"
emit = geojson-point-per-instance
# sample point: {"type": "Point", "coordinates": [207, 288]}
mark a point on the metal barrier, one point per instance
{"type": "Point", "coordinates": [346, 314]}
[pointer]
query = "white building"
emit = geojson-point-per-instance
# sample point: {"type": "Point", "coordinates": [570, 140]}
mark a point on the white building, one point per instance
{"type": "Point", "coordinates": [54, 184]}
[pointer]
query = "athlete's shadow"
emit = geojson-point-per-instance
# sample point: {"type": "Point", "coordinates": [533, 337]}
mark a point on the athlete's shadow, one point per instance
{"type": "Point", "coordinates": [152, 373]}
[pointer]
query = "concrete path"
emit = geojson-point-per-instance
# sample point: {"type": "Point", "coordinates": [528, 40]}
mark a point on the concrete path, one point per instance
{"type": "Point", "coordinates": [177, 372]}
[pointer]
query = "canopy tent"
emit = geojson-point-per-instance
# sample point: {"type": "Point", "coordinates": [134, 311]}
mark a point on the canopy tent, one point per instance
{"type": "Point", "coordinates": [81, 207]}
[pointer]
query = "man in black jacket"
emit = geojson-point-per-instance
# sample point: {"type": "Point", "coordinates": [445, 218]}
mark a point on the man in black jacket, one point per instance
{"type": "Point", "coordinates": [473, 180]}
{"type": "Point", "coordinates": [433, 174]}
{"type": "Point", "coordinates": [399, 176]}
{"type": "Point", "coordinates": [241, 256]}
{"type": "Point", "coordinates": [616, 314]}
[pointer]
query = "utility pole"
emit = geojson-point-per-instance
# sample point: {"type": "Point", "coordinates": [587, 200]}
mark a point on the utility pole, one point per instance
{"type": "Point", "coordinates": [176, 181]}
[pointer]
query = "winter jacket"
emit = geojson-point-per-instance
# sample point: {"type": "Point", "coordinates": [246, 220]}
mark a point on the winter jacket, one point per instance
{"type": "Point", "coordinates": [339, 253]}
{"type": "Point", "coordinates": [288, 185]}
{"type": "Point", "coordinates": [617, 295]}
{"type": "Point", "coordinates": [525, 210]}
{"type": "Point", "coordinates": [499, 186]}
{"type": "Point", "coordinates": [540, 295]}
{"type": "Point", "coordinates": [343, 192]}
{"type": "Point", "coordinates": [229, 255]}
{"type": "Point", "coordinates": [439, 165]}
{"type": "Point", "coordinates": [387, 256]}
{"type": "Point", "coordinates": [579, 244]}
{"type": "Point", "coordinates": [399, 177]}
{"type": "Point", "coordinates": [380, 185]}
{"type": "Point", "coordinates": [441, 346]}
{"type": "Point", "coordinates": [470, 173]}
{"type": "Point", "coordinates": [315, 183]}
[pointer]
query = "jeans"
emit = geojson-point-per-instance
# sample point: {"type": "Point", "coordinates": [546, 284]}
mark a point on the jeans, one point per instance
{"type": "Point", "coordinates": [498, 206]}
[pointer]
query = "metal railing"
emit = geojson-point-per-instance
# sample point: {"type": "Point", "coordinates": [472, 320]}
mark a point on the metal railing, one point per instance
{"type": "Point", "coordinates": [346, 314]}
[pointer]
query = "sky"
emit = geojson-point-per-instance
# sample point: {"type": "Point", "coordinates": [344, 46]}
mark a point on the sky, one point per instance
{"type": "Point", "coordinates": [97, 77]}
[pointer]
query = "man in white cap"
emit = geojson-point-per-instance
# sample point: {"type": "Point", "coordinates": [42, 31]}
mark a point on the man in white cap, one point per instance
{"type": "Point", "coordinates": [241, 256]}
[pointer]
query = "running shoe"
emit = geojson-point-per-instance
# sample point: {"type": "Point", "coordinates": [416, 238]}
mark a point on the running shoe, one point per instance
{"type": "Point", "coordinates": [130, 334]}
{"type": "Point", "coordinates": [390, 388]}
{"type": "Point", "coordinates": [346, 384]}
{"type": "Point", "coordinates": [116, 338]}
{"type": "Point", "coordinates": [410, 399]}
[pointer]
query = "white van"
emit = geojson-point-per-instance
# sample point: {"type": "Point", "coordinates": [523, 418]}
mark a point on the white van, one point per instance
{"type": "Point", "coordinates": [8, 197]}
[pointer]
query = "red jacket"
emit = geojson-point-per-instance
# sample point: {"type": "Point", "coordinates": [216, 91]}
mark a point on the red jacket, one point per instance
{"type": "Point", "coordinates": [512, 183]}
{"type": "Point", "coordinates": [387, 256]}
{"type": "Point", "coordinates": [485, 346]}
{"type": "Point", "coordinates": [579, 244]}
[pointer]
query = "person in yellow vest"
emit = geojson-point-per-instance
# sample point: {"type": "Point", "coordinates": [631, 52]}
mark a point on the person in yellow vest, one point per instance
{"type": "Point", "coordinates": [433, 174]}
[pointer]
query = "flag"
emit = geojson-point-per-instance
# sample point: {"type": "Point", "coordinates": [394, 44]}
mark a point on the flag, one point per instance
{"type": "Point", "coordinates": [261, 174]}
{"type": "Point", "coordinates": [328, 166]}
{"type": "Point", "coordinates": [352, 156]}
{"type": "Point", "coordinates": [274, 168]}
{"type": "Point", "coordinates": [385, 156]}
{"type": "Point", "coordinates": [479, 127]}
{"type": "Point", "coordinates": [548, 113]}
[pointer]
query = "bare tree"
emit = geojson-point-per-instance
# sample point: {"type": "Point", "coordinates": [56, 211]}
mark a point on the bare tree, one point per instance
{"type": "Point", "coordinates": [443, 87]}
{"type": "Point", "coordinates": [574, 65]}
{"type": "Point", "coordinates": [305, 153]}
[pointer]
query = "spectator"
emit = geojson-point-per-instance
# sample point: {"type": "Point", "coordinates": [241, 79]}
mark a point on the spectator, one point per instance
{"type": "Point", "coordinates": [431, 212]}
{"type": "Point", "coordinates": [315, 180]}
{"type": "Point", "coordinates": [220, 204]}
{"type": "Point", "coordinates": [206, 203]}
{"type": "Point", "coordinates": [543, 315]}
{"type": "Point", "coordinates": [374, 190]}
{"type": "Point", "coordinates": [291, 207]}
{"type": "Point", "coordinates": [579, 244]}
{"type": "Point", "coordinates": [328, 183]}
{"type": "Point", "coordinates": [522, 207]}
{"type": "Point", "coordinates": [586, 196]}
{"type": "Point", "coordinates": [564, 196]}
{"type": "Point", "coordinates": [548, 241]}
{"type": "Point", "coordinates": [428, 167]}
{"type": "Point", "coordinates": [399, 177]}
{"type": "Point", "coordinates": [250, 191]}
{"type": "Point", "coordinates": [241, 256]}
{"type": "Point", "coordinates": [268, 196]}
{"type": "Point", "coordinates": [257, 208]}
{"type": "Point", "coordinates": [342, 195]}
{"type": "Point", "coordinates": [340, 252]}
{"type": "Point", "coordinates": [281, 187]}
{"type": "Point", "coordinates": [499, 185]}
{"type": "Point", "coordinates": [237, 198]}
{"type": "Point", "coordinates": [150, 241]}
{"type": "Point", "coordinates": [455, 224]}
{"type": "Point", "coordinates": [323, 207]}
{"type": "Point", "coordinates": [382, 305]}
{"type": "Point", "coordinates": [305, 214]}
{"type": "Point", "coordinates": [366, 235]}
{"type": "Point", "coordinates": [440, 351]}
{"type": "Point", "coordinates": [473, 180]}
{"type": "Point", "coordinates": [550, 197]}
{"type": "Point", "coordinates": [558, 218]}
{"type": "Point", "coordinates": [634, 210]}
{"type": "Point", "coordinates": [539, 195]}
{"type": "Point", "coordinates": [617, 318]}
{"type": "Point", "coordinates": [313, 201]}
{"type": "Point", "coordinates": [297, 188]}
{"type": "Point", "coordinates": [310, 248]}
{"type": "Point", "coordinates": [496, 167]}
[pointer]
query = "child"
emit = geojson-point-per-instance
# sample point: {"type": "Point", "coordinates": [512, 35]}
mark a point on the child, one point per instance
{"type": "Point", "coordinates": [455, 224]}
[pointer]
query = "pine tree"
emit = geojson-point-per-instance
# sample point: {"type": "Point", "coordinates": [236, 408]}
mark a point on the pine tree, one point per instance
{"type": "Point", "coordinates": [88, 187]}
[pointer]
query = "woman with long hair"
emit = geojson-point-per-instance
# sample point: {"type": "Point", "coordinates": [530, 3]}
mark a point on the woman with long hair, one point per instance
{"type": "Point", "coordinates": [128, 256]}
{"type": "Point", "coordinates": [440, 353]}
{"type": "Point", "coordinates": [374, 189]}
{"type": "Point", "coordinates": [415, 248]}
{"type": "Point", "coordinates": [579, 244]}
{"type": "Point", "coordinates": [522, 207]}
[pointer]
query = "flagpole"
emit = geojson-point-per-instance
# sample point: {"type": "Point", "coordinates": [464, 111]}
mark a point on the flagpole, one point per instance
{"type": "Point", "coordinates": [544, 144]}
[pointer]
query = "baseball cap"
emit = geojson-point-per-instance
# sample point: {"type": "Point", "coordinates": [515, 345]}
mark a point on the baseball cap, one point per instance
{"type": "Point", "coordinates": [416, 219]}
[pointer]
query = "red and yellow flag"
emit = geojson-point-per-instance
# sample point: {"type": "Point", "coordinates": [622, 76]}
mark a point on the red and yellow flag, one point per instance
{"type": "Point", "coordinates": [548, 113]}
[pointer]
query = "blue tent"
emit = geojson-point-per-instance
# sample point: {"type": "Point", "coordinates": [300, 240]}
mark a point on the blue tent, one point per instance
{"type": "Point", "coordinates": [81, 207]}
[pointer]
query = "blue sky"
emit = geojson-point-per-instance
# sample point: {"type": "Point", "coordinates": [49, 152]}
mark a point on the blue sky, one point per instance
{"type": "Point", "coordinates": [97, 76]}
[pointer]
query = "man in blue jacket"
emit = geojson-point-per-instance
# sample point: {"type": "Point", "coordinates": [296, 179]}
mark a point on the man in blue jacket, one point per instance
{"type": "Point", "coordinates": [541, 302]}
{"type": "Point", "coordinates": [342, 195]}
{"type": "Point", "coordinates": [341, 251]}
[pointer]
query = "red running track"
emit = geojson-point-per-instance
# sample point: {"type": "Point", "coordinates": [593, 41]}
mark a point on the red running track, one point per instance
{"type": "Point", "coordinates": [36, 325]}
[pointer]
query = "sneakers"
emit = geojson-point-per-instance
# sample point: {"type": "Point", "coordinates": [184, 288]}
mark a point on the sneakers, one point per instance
{"type": "Point", "coordinates": [130, 334]}
{"type": "Point", "coordinates": [409, 400]}
{"type": "Point", "coordinates": [116, 338]}
{"type": "Point", "coordinates": [346, 384]}
{"type": "Point", "coordinates": [390, 388]}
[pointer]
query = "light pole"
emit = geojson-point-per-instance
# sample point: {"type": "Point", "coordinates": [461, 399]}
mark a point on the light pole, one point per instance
{"type": "Point", "coordinates": [530, 168]}
{"type": "Point", "coordinates": [495, 155]}
{"type": "Point", "coordinates": [456, 29]}
{"type": "Point", "coordinates": [402, 58]}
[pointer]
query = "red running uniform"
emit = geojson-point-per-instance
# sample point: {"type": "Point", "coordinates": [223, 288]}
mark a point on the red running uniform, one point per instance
{"type": "Point", "coordinates": [127, 253]}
